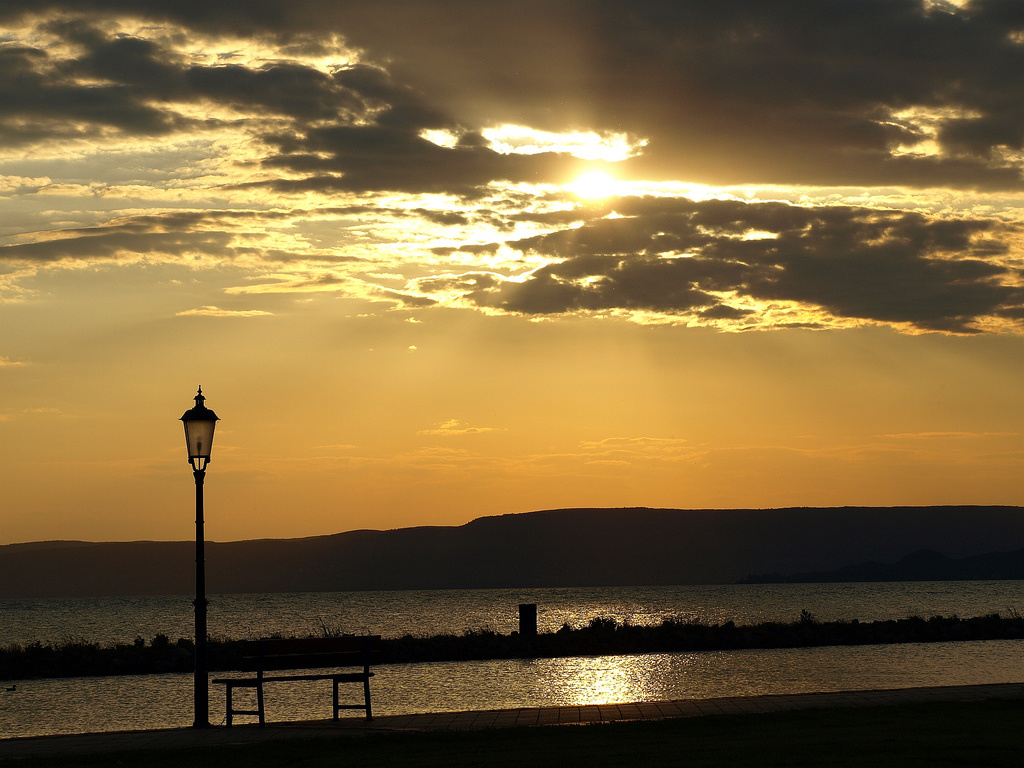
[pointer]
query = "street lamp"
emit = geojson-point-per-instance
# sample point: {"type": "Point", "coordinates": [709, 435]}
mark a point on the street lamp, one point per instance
{"type": "Point", "coordinates": [199, 425]}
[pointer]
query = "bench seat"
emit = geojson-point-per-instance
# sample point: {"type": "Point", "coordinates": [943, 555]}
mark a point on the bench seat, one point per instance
{"type": "Point", "coordinates": [275, 655]}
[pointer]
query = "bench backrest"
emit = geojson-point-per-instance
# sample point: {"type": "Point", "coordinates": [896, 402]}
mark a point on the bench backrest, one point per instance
{"type": "Point", "coordinates": [307, 653]}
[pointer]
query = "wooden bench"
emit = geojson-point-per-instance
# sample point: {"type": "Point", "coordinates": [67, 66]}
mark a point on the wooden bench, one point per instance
{"type": "Point", "coordinates": [263, 656]}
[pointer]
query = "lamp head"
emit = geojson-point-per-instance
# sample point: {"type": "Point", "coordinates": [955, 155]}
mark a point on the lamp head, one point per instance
{"type": "Point", "coordinates": [199, 422]}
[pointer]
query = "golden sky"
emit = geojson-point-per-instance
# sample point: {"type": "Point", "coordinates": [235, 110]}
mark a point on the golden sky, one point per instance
{"type": "Point", "coordinates": [433, 261]}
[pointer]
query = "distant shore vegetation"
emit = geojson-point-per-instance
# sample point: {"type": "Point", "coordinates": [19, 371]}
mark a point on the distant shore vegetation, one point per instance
{"type": "Point", "coordinates": [599, 637]}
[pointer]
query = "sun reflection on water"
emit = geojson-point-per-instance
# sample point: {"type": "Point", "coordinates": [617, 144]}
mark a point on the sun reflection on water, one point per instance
{"type": "Point", "coordinates": [606, 679]}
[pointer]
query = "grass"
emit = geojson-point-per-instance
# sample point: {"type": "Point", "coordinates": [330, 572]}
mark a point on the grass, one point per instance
{"type": "Point", "coordinates": [600, 637]}
{"type": "Point", "coordinates": [934, 735]}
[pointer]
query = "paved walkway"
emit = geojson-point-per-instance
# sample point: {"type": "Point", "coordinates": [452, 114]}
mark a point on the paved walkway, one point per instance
{"type": "Point", "coordinates": [505, 718]}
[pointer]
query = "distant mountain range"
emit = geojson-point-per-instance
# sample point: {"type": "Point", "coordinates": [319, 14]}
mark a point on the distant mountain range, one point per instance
{"type": "Point", "coordinates": [923, 565]}
{"type": "Point", "coordinates": [566, 547]}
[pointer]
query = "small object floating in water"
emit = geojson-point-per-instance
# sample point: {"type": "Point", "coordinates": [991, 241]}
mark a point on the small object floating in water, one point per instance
{"type": "Point", "coordinates": [12, 688]}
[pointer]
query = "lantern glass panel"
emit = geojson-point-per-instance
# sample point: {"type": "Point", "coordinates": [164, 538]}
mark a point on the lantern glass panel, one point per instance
{"type": "Point", "coordinates": [199, 437]}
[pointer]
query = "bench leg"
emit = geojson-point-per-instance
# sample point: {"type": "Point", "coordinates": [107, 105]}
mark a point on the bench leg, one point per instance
{"type": "Point", "coordinates": [259, 703]}
{"type": "Point", "coordinates": [366, 696]}
{"type": "Point", "coordinates": [366, 700]}
{"type": "Point", "coordinates": [227, 719]}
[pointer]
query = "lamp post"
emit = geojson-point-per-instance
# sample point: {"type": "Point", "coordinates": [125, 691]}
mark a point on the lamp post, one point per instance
{"type": "Point", "coordinates": [199, 425]}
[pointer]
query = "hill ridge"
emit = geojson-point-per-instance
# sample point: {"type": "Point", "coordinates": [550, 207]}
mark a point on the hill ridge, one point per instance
{"type": "Point", "coordinates": [568, 547]}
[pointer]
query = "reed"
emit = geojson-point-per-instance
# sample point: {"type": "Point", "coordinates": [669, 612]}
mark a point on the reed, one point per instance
{"type": "Point", "coordinates": [600, 636]}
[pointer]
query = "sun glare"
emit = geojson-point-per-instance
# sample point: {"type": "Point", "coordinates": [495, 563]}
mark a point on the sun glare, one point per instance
{"type": "Point", "coordinates": [589, 145]}
{"type": "Point", "coordinates": [593, 185]}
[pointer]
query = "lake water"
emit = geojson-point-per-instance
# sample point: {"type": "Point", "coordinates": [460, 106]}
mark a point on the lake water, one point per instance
{"type": "Point", "coordinates": [159, 701]}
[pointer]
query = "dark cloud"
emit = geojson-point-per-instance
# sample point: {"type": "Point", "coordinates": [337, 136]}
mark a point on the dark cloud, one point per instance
{"type": "Point", "coordinates": [355, 129]}
{"type": "Point", "coordinates": [114, 242]}
{"type": "Point", "coordinates": [239, 17]}
{"type": "Point", "coordinates": [447, 218]}
{"type": "Point", "coordinates": [131, 84]}
{"type": "Point", "coordinates": [219, 234]}
{"type": "Point", "coordinates": [731, 91]}
{"type": "Point", "coordinates": [842, 93]}
{"type": "Point", "coordinates": [714, 259]}
{"type": "Point", "coordinates": [131, 61]}
{"type": "Point", "coordinates": [42, 100]}
{"type": "Point", "coordinates": [359, 158]}
{"type": "Point", "coordinates": [288, 89]}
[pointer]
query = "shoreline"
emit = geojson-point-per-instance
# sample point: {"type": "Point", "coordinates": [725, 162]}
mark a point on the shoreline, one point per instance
{"type": "Point", "coordinates": [600, 637]}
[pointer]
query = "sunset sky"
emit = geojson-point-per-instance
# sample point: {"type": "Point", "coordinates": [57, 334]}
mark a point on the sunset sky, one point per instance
{"type": "Point", "coordinates": [434, 261]}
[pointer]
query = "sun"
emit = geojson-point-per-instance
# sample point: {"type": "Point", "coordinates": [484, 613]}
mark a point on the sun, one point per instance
{"type": "Point", "coordinates": [593, 185]}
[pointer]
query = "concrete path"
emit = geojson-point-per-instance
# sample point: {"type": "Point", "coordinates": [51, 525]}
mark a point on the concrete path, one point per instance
{"type": "Point", "coordinates": [505, 718]}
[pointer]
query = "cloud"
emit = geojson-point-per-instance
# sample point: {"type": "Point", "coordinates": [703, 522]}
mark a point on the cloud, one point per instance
{"type": "Point", "coordinates": [362, 158]}
{"type": "Point", "coordinates": [745, 90]}
{"type": "Point", "coordinates": [454, 427]}
{"type": "Point", "coordinates": [224, 235]}
{"type": "Point", "coordinates": [317, 283]}
{"type": "Point", "coordinates": [344, 112]}
{"type": "Point", "coordinates": [6, 362]}
{"type": "Point", "coordinates": [352, 128]}
{"type": "Point", "coordinates": [730, 262]}
{"type": "Point", "coordinates": [211, 311]}
{"type": "Point", "coordinates": [947, 435]}
{"type": "Point", "coordinates": [115, 243]}
{"type": "Point", "coordinates": [43, 103]}
{"type": "Point", "coordinates": [629, 449]}
{"type": "Point", "coordinates": [88, 80]}
{"type": "Point", "coordinates": [736, 91]}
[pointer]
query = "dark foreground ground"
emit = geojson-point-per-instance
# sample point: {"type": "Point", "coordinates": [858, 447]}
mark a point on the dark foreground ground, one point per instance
{"type": "Point", "coordinates": [985, 732]}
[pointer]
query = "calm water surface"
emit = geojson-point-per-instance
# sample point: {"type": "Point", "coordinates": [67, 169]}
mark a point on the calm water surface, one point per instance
{"type": "Point", "coordinates": [425, 613]}
{"type": "Point", "coordinates": [161, 701]}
